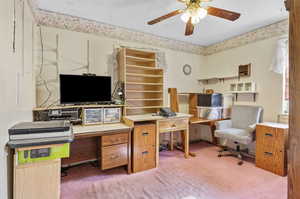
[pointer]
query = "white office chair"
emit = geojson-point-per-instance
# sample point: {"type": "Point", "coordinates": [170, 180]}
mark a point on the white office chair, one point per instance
{"type": "Point", "coordinates": [240, 129]}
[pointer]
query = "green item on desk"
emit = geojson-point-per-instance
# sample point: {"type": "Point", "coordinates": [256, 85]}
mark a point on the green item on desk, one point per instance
{"type": "Point", "coordinates": [38, 155]}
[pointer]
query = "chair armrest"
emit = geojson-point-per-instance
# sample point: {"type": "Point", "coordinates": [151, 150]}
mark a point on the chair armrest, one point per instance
{"type": "Point", "coordinates": [223, 124]}
{"type": "Point", "coordinates": [251, 128]}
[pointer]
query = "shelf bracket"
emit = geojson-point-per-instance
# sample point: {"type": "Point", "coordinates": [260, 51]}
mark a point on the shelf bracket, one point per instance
{"type": "Point", "coordinates": [254, 97]}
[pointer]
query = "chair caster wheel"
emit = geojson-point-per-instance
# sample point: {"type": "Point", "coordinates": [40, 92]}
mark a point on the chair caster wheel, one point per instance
{"type": "Point", "coordinates": [240, 163]}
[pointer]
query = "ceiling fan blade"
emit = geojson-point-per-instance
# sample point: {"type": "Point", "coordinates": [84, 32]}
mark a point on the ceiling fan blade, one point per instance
{"type": "Point", "coordinates": [225, 14]}
{"type": "Point", "coordinates": [169, 15]}
{"type": "Point", "coordinates": [189, 29]}
{"type": "Point", "coordinates": [183, 1]}
{"type": "Point", "coordinates": [188, 1]}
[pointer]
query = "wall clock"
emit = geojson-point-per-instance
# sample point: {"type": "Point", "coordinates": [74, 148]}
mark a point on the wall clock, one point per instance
{"type": "Point", "coordinates": [187, 69]}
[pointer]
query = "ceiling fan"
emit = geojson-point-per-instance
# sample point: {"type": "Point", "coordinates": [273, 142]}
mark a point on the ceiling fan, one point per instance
{"type": "Point", "coordinates": [194, 12]}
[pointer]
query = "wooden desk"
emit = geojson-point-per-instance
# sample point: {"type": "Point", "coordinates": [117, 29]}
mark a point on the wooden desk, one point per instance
{"type": "Point", "coordinates": [163, 125]}
{"type": "Point", "coordinates": [211, 123]}
{"type": "Point", "coordinates": [107, 143]}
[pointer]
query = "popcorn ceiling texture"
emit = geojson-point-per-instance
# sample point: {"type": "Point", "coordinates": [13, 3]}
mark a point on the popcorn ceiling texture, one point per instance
{"type": "Point", "coordinates": [72, 23]}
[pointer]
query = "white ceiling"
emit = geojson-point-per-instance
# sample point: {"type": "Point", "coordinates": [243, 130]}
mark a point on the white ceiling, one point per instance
{"type": "Point", "coordinates": [133, 14]}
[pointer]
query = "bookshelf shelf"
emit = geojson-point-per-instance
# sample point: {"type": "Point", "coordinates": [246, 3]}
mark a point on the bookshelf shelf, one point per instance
{"type": "Point", "coordinates": [153, 99]}
{"type": "Point", "coordinates": [144, 91]}
{"type": "Point", "coordinates": [143, 81]}
{"type": "Point", "coordinates": [143, 75]}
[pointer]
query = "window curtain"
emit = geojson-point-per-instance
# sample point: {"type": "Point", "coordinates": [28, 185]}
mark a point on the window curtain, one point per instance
{"type": "Point", "coordinates": [281, 59]}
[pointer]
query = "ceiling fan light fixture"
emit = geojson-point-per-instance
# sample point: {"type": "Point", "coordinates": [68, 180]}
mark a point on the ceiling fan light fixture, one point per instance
{"type": "Point", "coordinates": [196, 14]}
{"type": "Point", "coordinates": [193, 13]}
{"type": "Point", "coordinates": [185, 17]}
{"type": "Point", "coordinates": [202, 13]}
{"type": "Point", "coordinates": [195, 20]}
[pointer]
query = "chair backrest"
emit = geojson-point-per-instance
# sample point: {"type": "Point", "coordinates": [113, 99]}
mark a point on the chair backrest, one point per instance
{"type": "Point", "coordinates": [242, 116]}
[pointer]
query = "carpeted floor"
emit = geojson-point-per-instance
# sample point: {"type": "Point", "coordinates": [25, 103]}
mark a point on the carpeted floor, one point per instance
{"type": "Point", "coordinates": [203, 177]}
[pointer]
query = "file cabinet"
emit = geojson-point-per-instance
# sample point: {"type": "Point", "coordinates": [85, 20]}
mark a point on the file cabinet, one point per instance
{"type": "Point", "coordinates": [271, 142]}
{"type": "Point", "coordinates": [144, 147]}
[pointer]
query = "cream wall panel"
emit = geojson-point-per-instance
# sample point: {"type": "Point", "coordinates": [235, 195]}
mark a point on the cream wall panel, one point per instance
{"type": "Point", "coordinates": [269, 84]}
{"type": "Point", "coordinates": [16, 79]}
{"type": "Point", "coordinates": [73, 55]}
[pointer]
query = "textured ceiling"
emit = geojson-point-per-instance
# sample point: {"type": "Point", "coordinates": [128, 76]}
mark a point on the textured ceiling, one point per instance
{"type": "Point", "coordinates": [133, 14]}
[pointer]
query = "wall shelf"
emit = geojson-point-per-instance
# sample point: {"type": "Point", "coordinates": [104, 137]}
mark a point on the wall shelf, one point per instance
{"type": "Point", "coordinates": [237, 93]}
{"type": "Point", "coordinates": [220, 79]}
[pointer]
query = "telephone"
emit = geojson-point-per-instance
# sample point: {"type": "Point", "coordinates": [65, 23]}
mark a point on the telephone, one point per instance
{"type": "Point", "coordinates": [166, 112]}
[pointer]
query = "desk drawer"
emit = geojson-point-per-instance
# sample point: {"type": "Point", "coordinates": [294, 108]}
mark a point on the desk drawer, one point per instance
{"type": "Point", "coordinates": [173, 125]}
{"type": "Point", "coordinates": [109, 140]}
{"type": "Point", "coordinates": [271, 160]}
{"type": "Point", "coordinates": [144, 158]}
{"type": "Point", "coordinates": [270, 138]}
{"type": "Point", "coordinates": [144, 135]}
{"type": "Point", "coordinates": [114, 156]}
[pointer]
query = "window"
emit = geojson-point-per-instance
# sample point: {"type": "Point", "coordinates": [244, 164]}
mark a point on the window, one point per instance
{"type": "Point", "coordinates": [280, 65]}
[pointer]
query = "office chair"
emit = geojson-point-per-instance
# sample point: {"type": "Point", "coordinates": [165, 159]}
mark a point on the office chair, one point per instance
{"type": "Point", "coordinates": [240, 129]}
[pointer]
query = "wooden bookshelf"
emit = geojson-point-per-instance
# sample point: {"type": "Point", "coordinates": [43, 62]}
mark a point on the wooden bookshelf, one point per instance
{"type": "Point", "coordinates": [143, 81]}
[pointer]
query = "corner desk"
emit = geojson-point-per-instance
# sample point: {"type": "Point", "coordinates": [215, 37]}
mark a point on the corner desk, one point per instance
{"type": "Point", "coordinates": [137, 138]}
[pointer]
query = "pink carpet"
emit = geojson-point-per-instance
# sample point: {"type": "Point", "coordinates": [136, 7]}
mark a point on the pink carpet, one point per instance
{"type": "Point", "coordinates": [203, 177]}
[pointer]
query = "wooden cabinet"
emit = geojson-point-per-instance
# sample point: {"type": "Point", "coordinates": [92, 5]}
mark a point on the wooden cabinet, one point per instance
{"type": "Point", "coordinates": [143, 81]}
{"type": "Point", "coordinates": [114, 150]}
{"type": "Point", "coordinates": [144, 147]}
{"type": "Point", "coordinates": [245, 70]}
{"type": "Point", "coordinates": [36, 180]}
{"type": "Point", "coordinates": [271, 139]}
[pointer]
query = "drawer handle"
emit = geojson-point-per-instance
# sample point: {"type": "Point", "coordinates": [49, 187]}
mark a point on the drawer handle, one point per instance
{"type": "Point", "coordinates": [113, 157]}
{"type": "Point", "coordinates": [145, 133]}
{"type": "Point", "coordinates": [269, 134]}
{"type": "Point", "coordinates": [145, 153]}
{"type": "Point", "coordinates": [113, 140]}
{"type": "Point", "coordinates": [116, 140]}
{"type": "Point", "coordinates": [268, 153]}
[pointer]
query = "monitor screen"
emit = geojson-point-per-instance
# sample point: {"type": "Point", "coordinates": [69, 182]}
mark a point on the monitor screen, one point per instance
{"type": "Point", "coordinates": [84, 89]}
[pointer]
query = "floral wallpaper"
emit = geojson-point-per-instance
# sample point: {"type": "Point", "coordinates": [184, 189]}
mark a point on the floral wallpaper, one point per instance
{"type": "Point", "coordinates": [72, 23]}
{"type": "Point", "coordinates": [273, 30]}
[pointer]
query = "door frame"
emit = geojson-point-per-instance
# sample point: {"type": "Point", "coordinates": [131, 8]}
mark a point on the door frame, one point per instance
{"type": "Point", "coordinates": [293, 6]}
